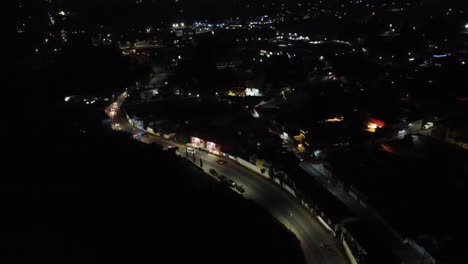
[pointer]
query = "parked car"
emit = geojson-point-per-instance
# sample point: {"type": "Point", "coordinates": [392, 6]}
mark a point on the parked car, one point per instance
{"type": "Point", "coordinates": [227, 181]}
{"type": "Point", "coordinates": [428, 125]}
{"type": "Point", "coordinates": [231, 183]}
{"type": "Point", "coordinates": [240, 188]}
{"type": "Point", "coordinates": [223, 178]}
{"type": "Point", "coordinates": [190, 150]}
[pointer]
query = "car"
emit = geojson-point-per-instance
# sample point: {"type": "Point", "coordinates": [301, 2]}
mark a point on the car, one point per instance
{"type": "Point", "coordinates": [221, 161]}
{"type": "Point", "coordinates": [173, 148]}
{"type": "Point", "coordinates": [240, 188]}
{"type": "Point", "coordinates": [212, 171]}
{"type": "Point", "coordinates": [428, 125]}
{"type": "Point", "coordinates": [190, 150]}
{"type": "Point", "coordinates": [231, 183]}
{"type": "Point", "coordinates": [223, 178]}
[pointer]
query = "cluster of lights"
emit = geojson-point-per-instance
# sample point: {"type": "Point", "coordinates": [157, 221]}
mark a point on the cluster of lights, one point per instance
{"type": "Point", "coordinates": [177, 25]}
{"type": "Point", "coordinates": [335, 119]}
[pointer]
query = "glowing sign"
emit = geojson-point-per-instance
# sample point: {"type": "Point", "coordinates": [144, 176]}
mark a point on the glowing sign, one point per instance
{"type": "Point", "coordinates": [197, 142]}
{"type": "Point", "coordinates": [211, 146]}
{"type": "Point", "coordinates": [202, 144]}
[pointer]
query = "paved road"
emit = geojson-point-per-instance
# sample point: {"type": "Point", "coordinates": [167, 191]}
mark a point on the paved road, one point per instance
{"type": "Point", "coordinates": [280, 204]}
{"type": "Point", "coordinates": [404, 251]}
{"type": "Point", "coordinates": [282, 207]}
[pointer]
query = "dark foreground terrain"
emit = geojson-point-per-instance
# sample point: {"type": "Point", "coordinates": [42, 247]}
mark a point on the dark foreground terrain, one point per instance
{"type": "Point", "coordinates": [73, 191]}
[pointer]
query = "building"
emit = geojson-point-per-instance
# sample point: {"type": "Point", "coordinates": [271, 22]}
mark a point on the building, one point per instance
{"type": "Point", "coordinates": [206, 145]}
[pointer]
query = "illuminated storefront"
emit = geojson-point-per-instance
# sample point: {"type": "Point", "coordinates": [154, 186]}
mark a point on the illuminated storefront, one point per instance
{"type": "Point", "coordinates": [206, 145]}
{"type": "Point", "coordinates": [373, 124]}
{"type": "Point", "coordinates": [197, 142]}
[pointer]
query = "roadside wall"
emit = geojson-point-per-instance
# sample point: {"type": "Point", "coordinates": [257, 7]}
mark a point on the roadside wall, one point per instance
{"type": "Point", "coordinates": [252, 167]}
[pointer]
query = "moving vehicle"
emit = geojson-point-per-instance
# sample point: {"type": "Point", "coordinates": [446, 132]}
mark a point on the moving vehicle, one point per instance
{"type": "Point", "coordinates": [172, 148]}
{"type": "Point", "coordinates": [221, 161]}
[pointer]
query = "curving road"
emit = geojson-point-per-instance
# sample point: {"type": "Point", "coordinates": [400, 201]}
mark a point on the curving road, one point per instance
{"type": "Point", "coordinates": [280, 204]}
